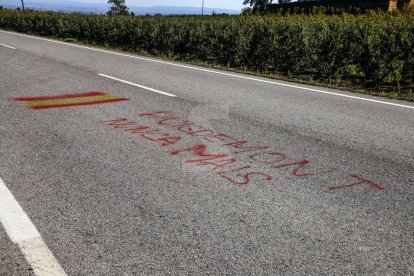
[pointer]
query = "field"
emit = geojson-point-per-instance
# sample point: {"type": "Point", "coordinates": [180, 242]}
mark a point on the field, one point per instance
{"type": "Point", "coordinates": [372, 53]}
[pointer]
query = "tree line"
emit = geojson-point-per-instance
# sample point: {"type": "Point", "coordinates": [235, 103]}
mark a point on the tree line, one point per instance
{"type": "Point", "coordinates": [374, 51]}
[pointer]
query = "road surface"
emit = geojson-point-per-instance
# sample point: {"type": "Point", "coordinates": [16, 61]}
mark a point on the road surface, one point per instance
{"type": "Point", "coordinates": [114, 164]}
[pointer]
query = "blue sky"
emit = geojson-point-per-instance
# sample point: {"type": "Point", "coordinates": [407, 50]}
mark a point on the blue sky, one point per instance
{"type": "Point", "coordinates": [225, 4]}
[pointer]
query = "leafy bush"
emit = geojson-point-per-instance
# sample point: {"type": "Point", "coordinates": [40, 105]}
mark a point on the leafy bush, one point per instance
{"type": "Point", "coordinates": [375, 50]}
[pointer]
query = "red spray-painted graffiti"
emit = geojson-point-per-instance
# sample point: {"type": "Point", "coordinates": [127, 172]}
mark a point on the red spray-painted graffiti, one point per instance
{"type": "Point", "coordinates": [69, 100]}
{"type": "Point", "coordinates": [227, 165]}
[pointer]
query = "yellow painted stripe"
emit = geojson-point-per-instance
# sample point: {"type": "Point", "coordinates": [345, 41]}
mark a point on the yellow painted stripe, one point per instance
{"type": "Point", "coordinates": [70, 101]}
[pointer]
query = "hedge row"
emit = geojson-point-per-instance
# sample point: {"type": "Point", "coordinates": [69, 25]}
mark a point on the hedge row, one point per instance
{"type": "Point", "coordinates": [375, 49]}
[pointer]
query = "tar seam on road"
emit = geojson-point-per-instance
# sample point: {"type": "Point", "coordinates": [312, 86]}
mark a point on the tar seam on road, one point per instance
{"type": "Point", "coordinates": [213, 72]}
{"type": "Point", "coordinates": [7, 46]}
{"type": "Point", "coordinates": [137, 85]}
{"type": "Point", "coordinates": [23, 233]}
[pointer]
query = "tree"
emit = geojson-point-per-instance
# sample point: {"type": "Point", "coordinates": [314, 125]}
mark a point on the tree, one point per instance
{"type": "Point", "coordinates": [118, 7]}
{"type": "Point", "coordinates": [247, 10]}
{"type": "Point", "coordinates": [258, 5]}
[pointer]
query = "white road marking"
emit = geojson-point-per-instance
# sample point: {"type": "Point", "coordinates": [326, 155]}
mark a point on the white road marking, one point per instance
{"type": "Point", "coordinates": [23, 233]}
{"type": "Point", "coordinates": [7, 46]}
{"type": "Point", "coordinates": [215, 72]}
{"type": "Point", "coordinates": [138, 85]}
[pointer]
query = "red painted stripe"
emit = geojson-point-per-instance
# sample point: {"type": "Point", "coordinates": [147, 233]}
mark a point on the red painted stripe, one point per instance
{"type": "Point", "coordinates": [86, 94]}
{"type": "Point", "coordinates": [79, 104]}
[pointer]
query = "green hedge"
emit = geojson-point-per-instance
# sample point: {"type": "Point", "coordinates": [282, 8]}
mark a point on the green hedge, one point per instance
{"type": "Point", "coordinates": [375, 50]}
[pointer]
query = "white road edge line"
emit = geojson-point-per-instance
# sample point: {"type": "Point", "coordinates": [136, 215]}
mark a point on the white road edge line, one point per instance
{"type": "Point", "coordinates": [23, 233]}
{"type": "Point", "coordinates": [214, 72]}
{"type": "Point", "coordinates": [137, 85]}
{"type": "Point", "coordinates": [7, 46]}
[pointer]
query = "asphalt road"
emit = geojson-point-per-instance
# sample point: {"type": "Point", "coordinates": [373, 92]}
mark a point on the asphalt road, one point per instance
{"type": "Point", "coordinates": [199, 172]}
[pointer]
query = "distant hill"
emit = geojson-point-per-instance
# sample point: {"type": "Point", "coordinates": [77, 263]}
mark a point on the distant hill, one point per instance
{"type": "Point", "coordinates": [178, 10]}
{"type": "Point", "coordinates": [73, 6]}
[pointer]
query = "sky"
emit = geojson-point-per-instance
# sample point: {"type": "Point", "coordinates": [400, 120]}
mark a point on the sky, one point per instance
{"type": "Point", "coordinates": [224, 4]}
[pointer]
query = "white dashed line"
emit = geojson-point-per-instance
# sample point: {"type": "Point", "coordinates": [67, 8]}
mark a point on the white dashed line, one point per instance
{"type": "Point", "coordinates": [138, 85]}
{"type": "Point", "coordinates": [7, 46]}
{"type": "Point", "coordinates": [23, 233]}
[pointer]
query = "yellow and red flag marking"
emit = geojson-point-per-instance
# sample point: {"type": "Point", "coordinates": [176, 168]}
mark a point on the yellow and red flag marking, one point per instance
{"type": "Point", "coordinates": [87, 98]}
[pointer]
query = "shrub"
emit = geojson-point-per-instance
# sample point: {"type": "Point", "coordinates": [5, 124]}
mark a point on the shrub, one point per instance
{"type": "Point", "coordinates": [377, 48]}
